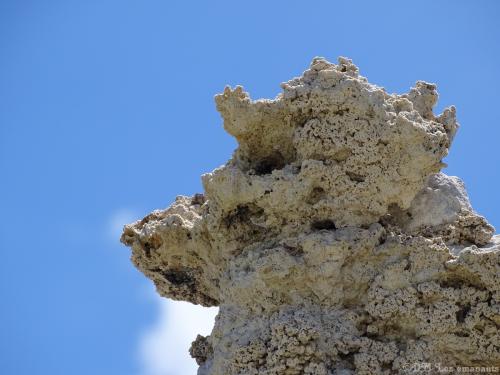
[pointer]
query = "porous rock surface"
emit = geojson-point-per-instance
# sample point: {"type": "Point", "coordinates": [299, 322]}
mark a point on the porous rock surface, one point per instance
{"type": "Point", "coordinates": [330, 241]}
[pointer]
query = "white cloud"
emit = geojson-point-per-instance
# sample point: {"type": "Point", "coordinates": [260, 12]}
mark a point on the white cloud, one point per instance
{"type": "Point", "coordinates": [164, 348]}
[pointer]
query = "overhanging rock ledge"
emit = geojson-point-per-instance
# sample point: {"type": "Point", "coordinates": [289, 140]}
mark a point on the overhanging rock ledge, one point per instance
{"type": "Point", "coordinates": [331, 241]}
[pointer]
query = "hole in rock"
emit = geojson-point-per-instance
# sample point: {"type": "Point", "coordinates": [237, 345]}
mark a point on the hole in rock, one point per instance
{"type": "Point", "coordinates": [198, 198]}
{"type": "Point", "coordinates": [316, 195]}
{"type": "Point", "coordinates": [347, 359]}
{"type": "Point", "coordinates": [355, 177]}
{"type": "Point", "coordinates": [323, 225]}
{"type": "Point", "coordinates": [240, 215]}
{"type": "Point", "coordinates": [462, 313]}
{"type": "Point", "coordinates": [269, 163]}
{"type": "Point", "coordinates": [246, 223]}
{"type": "Point", "coordinates": [178, 277]}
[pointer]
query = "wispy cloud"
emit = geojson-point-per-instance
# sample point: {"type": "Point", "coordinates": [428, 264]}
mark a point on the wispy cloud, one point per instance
{"type": "Point", "coordinates": [164, 347]}
{"type": "Point", "coordinates": [117, 220]}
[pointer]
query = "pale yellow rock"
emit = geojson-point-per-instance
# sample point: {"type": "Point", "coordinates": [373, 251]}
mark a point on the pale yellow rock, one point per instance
{"type": "Point", "coordinates": [330, 241]}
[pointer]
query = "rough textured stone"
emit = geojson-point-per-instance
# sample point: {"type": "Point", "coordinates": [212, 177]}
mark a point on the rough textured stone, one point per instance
{"type": "Point", "coordinates": [330, 240]}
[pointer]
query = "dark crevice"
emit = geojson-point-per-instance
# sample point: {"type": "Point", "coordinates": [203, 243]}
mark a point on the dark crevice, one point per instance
{"type": "Point", "coordinates": [294, 250]}
{"type": "Point", "coordinates": [275, 161]}
{"type": "Point", "coordinates": [341, 112]}
{"type": "Point", "coordinates": [323, 225]}
{"type": "Point", "coordinates": [178, 277]}
{"type": "Point", "coordinates": [316, 195]}
{"type": "Point", "coordinates": [183, 284]}
{"type": "Point", "coordinates": [452, 282]}
{"type": "Point", "coordinates": [242, 214]}
{"type": "Point", "coordinates": [147, 250]}
{"type": "Point", "coordinates": [246, 218]}
{"type": "Point", "coordinates": [355, 177]}
{"type": "Point", "coordinates": [198, 198]}
{"type": "Point", "coordinates": [151, 244]}
{"type": "Point", "coordinates": [382, 239]}
{"type": "Point", "coordinates": [462, 313]}
{"type": "Point", "coordinates": [348, 359]}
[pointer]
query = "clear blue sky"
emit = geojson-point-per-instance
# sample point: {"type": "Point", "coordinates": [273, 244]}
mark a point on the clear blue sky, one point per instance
{"type": "Point", "coordinates": [106, 107]}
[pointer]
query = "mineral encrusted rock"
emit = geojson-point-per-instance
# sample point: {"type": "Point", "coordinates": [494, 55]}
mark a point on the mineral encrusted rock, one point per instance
{"type": "Point", "coordinates": [330, 240]}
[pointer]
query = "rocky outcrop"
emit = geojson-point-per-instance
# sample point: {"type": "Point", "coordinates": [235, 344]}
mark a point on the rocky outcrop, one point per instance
{"type": "Point", "coordinates": [330, 240]}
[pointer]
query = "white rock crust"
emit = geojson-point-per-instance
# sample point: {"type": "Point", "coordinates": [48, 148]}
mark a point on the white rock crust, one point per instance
{"type": "Point", "coordinates": [330, 240]}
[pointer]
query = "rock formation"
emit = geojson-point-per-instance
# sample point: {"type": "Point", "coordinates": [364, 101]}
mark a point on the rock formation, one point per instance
{"type": "Point", "coordinates": [330, 241]}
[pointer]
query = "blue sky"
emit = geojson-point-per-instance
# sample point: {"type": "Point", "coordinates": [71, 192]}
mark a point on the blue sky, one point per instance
{"type": "Point", "coordinates": [107, 112]}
